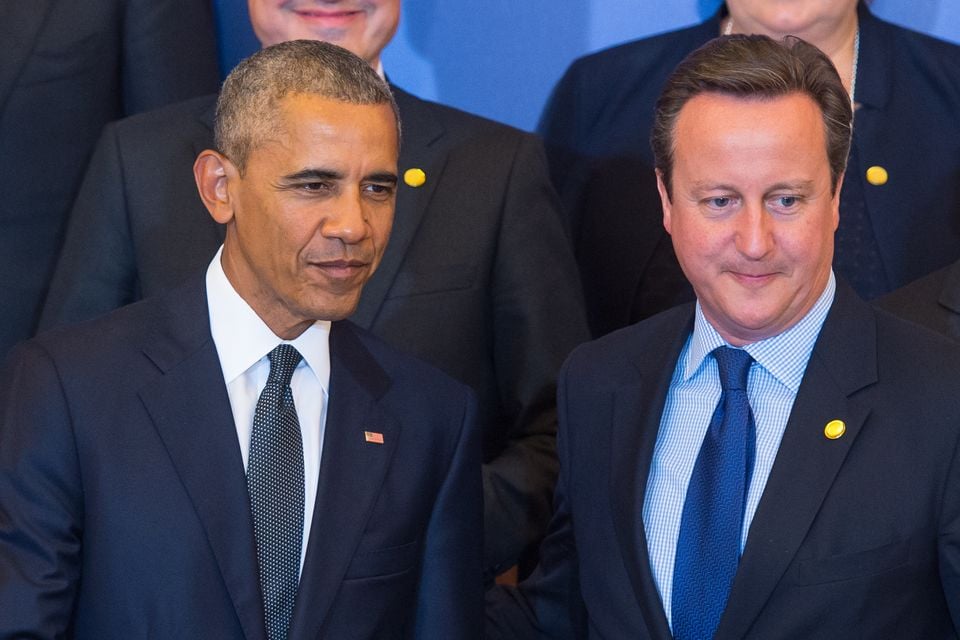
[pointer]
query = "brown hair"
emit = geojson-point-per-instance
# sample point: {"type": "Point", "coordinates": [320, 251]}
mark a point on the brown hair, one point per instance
{"type": "Point", "coordinates": [754, 66]}
{"type": "Point", "coordinates": [249, 99]}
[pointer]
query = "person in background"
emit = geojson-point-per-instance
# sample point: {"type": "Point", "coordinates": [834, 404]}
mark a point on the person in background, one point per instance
{"type": "Point", "coordinates": [66, 70]}
{"type": "Point", "coordinates": [232, 459]}
{"type": "Point", "coordinates": [932, 301]}
{"type": "Point", "coordinates": [478, 278]}
{"type": "Point", "coordinates": [900, 205]}
{"type": "Point", "coordinates": [779, 459]}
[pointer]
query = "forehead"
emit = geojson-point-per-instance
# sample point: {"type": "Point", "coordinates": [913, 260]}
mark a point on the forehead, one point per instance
{"type": "Point", "coordinates": [313, 127]}
{"type": "Point", "coordinates": [714, 129]}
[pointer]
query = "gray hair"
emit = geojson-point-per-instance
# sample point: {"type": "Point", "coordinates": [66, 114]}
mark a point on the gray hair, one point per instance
{"type": "Point", "coordinates": [754, 66]}
{"type": "Point", "coordinates": [248, 102]}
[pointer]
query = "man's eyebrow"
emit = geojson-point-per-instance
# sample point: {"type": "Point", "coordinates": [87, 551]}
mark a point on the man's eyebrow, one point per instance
{"type": "Point", "coordinates": [798, 185]}
{"type": "Point", "coordinates": [787, 185]}
{"type": "Point", "coordinates": [313, 174]}
{"type": "Point", "coordinates": [383, 176]}
{"type": "Point", "coordinates": [700, 186]}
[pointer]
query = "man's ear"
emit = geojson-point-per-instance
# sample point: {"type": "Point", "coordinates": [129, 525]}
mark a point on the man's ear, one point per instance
{"type": "Point", "coordinates": [664, 201]}
{"type": "Point", "coordinates": [213, 171]}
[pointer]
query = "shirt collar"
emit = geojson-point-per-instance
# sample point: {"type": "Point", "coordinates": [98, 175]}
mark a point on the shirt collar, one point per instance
{"type": "Point", "coordinates": [784, 355]}
{"type": "Point", "coordinates": [242, 338]}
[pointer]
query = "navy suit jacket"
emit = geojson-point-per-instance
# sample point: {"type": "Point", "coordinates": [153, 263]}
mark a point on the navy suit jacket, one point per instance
{"type": "Point", "coordinates": [932, 301]}
{"type": "Point", "coordinates": [597, 130]}
{"type": "Point", "coordinates": [67, 68]}
{"type": "Point", "coordinates": [477, 279]}
{"type": "Point", "coordinates": [857, 537]}
{"type": "Point", "coordinates": [123, 503]}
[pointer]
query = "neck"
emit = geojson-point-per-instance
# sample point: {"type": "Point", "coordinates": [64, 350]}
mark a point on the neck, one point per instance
{"type": "Point", "coordinates": [835, 39]}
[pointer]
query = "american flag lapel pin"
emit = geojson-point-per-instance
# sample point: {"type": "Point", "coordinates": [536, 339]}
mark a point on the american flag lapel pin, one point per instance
{"type": "Point", "coordinates": [373, 436]}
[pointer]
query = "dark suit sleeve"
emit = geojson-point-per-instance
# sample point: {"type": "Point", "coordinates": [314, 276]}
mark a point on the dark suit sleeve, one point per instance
{"type": "Point", "coordinates": [450, 600]}
{"type": "Point", "coordinates": [548, 603]}
{"type": "Point", "coordinates": [96, 269]}
{"type": "Point", "coordinates": [40, 500]}
{"type": "Point", "coordinates": [538, 319]}
{"type": "Point", "coordinates": [559, 128]}
{"type": "Point", "coordinates": [948, 545]}
{"type": "Point", "coordinates": [168, 52]}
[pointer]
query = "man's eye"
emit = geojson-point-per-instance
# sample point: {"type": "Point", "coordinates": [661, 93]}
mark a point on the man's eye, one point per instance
{"type": "Point", "coordinates": [314, 186]}
{"type": "Point", "coordinates": [378, 190]}
{"type": "Point", "coordinates": [786, 203]}
{"type": "Point", "coordinates": [719, 202]}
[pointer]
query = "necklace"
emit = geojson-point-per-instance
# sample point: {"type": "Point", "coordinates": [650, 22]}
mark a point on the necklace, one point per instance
{"type": "Point", "coordinates": [728, 29]}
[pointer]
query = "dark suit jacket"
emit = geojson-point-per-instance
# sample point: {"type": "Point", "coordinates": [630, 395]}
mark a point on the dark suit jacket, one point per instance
{"type": "Point", "coordinates": [123, 503]}
{"type": "Point", "coordinates": [597, 129]}
{"type": "Point", "coordinates": [477, 279]}
{"type": "Point", "coordinates": [933, 301]}
{"type": "Point", "coordinates": [66, 69]}
{"type": "Point", "coordinates": [857, 537]}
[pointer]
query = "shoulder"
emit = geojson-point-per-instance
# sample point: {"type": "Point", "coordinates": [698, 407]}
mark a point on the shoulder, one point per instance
{"type": "Point", "coordinates": [919, 301]}
{"type": "Point", "coordinates": [178, 123]}
{"type": "Point", "coordinates": [114, 344]}
{"type": "Point", "coordinates": [460, 127]}
{"type": "Point", "coordinates": [916, 354]}
{"type": "Point", "coordinates": [391, 372]}
{"type": "Point", "coordinates": [622, 351]}
{"type": "Point", "coordinates": [633, 61]}
{"type": "Point", "coordinates": [923, 56]}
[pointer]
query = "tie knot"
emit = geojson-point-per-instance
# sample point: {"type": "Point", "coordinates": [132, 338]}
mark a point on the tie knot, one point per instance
{"type": "Point", "coordinates": [734, 366]}
{"type": "Point", "coordinates": [283, 360]}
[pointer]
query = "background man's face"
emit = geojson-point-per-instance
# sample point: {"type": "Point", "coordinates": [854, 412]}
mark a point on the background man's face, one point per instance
{"type": "Point", "coordinates": [751, 214]}
{"type": "Point", "coordinates": [312, 212]}
{"type": "Point", "coordinates": [363, 27]}
{"type": "Point", "coordinates": [803, 18]}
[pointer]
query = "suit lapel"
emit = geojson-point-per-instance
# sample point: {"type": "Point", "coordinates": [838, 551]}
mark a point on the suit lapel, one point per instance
{"type": "Point", "coordinates": [352, 471]}
{"type": "Point", "coordinates": [637, 409]}
{"type": "Point", "coordinates": [20, 24]}
{"type": "Point", "coordinates": [843, 362]}
{"type": "Point", "coordinates": [874, 86]}
{"type": "Point", "coordinates": [191, 412]}
{"type": "Point", "coordinates": [421, 148]}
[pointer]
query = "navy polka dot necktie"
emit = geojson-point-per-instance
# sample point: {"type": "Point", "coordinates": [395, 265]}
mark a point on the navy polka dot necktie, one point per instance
{"type": "Point", "coordinates": [275, 483]}
{"type": "Point", "coordinates": [708, 547]}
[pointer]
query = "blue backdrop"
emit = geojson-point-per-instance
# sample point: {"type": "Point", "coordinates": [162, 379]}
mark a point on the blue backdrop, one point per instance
{"type": "Point", "coordinates": [501, 58]}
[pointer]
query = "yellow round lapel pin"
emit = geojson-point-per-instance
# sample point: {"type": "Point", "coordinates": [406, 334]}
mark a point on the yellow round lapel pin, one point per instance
{"type": "Point", "coordinates": [877, 176]}
{"type": "Point", "coordinates": [834, 429]}
{"type": "Point", "coordinates": [414, 177]}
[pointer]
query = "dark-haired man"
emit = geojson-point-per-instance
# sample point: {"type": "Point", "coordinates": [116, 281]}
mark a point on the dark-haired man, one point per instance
{"type": "Point", "coordinates": [478, 279]}
{"type": "Point", "coordinates": [779, 459]}
{"type": "Point", "coordinates": [230, 459]}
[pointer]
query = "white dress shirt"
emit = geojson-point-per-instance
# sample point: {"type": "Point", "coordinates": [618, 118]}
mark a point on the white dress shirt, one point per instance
{"type": "Point", "coordinates": [243, 342]}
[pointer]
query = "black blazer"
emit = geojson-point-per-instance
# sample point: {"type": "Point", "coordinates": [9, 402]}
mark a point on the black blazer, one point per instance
{"type": "Point", "coordinates": [125, 509]}
{"type": "Point", "coordinates": [477, 278]}
{"type": "Point", "coordinates": [597, 128]}
{"type": "Point", "coordinates": [857, 537]}
{"type": "Point", "coordinates": [932, 301]}
{"type": "Point", "coordinates": [66, 69]}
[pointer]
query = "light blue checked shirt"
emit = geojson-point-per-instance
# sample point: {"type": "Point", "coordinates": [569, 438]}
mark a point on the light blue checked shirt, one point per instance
{"type": "Point", "coordinates": [775, 375]}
